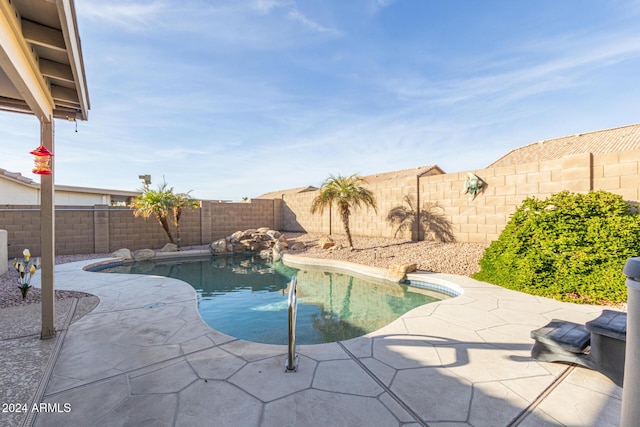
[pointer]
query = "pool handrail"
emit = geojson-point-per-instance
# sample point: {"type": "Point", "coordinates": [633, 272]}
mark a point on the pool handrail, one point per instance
{"type": "Point", "coordinates": [291, 364]}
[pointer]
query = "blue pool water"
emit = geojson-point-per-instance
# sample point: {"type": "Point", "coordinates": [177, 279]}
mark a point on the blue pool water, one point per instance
{"type": "Point", "coordinates": [246, 297]}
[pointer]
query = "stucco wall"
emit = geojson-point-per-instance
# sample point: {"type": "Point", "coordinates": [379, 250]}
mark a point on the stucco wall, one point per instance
{"type": "Point", "coordinates": [66, 198]}
{"type": "Point", "coordinates": [14, 193]}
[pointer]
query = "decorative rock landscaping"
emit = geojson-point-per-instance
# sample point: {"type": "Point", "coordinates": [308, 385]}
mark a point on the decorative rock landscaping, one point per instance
{"type": "Point", "coordinates": [251, 240]}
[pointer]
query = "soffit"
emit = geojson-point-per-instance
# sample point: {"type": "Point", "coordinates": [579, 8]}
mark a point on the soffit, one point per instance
{"type": "Point", "coordinates": [44, 34]}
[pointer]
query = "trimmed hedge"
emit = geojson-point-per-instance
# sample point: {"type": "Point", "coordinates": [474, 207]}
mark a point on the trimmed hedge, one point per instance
{"type": "Point", "coordinates": [570, 247]}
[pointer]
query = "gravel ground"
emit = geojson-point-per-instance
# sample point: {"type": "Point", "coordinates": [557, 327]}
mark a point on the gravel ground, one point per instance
{"type": "Point", "coordinates": [453, 258]}
{"type": "Point", "coordinates": [10, 294]}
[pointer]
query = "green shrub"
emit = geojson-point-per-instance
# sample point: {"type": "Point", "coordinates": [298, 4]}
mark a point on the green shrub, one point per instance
{"type": "Point", "coordinates": [570, 247]}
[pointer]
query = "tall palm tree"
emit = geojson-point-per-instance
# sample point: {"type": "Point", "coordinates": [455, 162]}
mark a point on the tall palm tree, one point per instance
{"type": "Point", "coordinates": [346, 193]}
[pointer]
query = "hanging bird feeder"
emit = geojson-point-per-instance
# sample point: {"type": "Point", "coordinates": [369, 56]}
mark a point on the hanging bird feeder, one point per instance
{"type": "Point", "coordinates": [42, 161]}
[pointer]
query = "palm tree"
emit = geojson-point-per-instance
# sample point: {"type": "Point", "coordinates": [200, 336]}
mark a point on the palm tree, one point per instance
{"type": "Point", "coordinates": [346, 193]}
{"type": "Point", "coordinates": [428, 219]}
{"type": "Point", "coordinates": [182, 201]}
{"type": "Point", "coordinates": [161, 203]}
{"type": "Point", "coordinates": [158, 203]}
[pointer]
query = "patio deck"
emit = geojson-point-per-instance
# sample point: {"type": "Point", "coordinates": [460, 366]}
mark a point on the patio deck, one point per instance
{"type": "Point", "coordinates": [143, 356]}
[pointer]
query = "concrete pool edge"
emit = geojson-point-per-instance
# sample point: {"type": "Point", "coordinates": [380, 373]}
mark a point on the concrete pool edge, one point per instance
{"type": "Point", "coordinates": [478, 343]}
{"type": "Point", "coordinates": [425, 278]}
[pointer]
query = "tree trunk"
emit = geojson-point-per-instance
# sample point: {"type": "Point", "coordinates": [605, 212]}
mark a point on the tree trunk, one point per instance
{"type": "Point", "coordinates": [165, 226]}
{"type": "Point", "coordinates": [345, 222]}
{"type": "Point", "coordinates": [178, 214]}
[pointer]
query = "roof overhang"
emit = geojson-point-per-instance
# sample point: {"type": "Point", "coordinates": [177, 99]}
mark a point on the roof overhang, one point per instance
{"type": "Point", "coordinates": [41, 65]}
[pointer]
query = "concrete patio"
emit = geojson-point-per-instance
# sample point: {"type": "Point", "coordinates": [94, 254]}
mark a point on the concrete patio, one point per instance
{"type": "Point", "coordinates": [143, 356]}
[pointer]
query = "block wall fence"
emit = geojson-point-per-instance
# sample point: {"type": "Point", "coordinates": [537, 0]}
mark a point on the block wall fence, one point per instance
{"type": "Point", "coordinates": [103, 229]}
{"type": "Point", "coordinates": [479, 220]}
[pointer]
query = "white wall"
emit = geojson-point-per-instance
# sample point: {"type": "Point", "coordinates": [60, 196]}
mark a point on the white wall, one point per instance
{"type": "Point", "coordinates": [13, 193]}
{"type": "Point", "coordinates": [67, 198]}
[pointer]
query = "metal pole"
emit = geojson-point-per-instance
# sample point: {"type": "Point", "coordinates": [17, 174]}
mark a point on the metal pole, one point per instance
{"type": "Point", "coordinates": [292, 358]}
{"type": "Point", "coordinates": [631, 385]}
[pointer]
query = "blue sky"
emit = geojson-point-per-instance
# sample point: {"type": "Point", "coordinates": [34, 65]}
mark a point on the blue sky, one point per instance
{"type": "Point", "coordinates": [241, 97]}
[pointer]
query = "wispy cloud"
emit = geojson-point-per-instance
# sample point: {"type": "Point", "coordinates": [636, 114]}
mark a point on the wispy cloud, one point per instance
{"type": "Point", "coordinates": [266, 6]}
{"type": "Point", "coordinates": [133, 16]}
{"type": "Point", "coordinates": [563, 67]}
{"type": "Point", "coordinates": [297, 16]}
{"type": "Point", "coordinates": [378, 5]}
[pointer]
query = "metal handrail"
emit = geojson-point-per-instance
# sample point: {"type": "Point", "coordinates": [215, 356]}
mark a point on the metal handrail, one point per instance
{"type": "Point", "coordinates": [292, 301]}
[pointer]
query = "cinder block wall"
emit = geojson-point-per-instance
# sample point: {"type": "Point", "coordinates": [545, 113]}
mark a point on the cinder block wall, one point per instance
{"type": "Point", "coordinates": [482, 219]}
{"type": "Point", "coordinates": [104, 229]}
{"type": "Point", "coordinates": [297, 218]}
{"type": "Point", "coordinates": [99, 229]}
{"type": "Point", "coordinates": [227, 218]}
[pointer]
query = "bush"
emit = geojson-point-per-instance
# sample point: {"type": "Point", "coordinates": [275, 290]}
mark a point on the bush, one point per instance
{"type": "Point", "coordinates": [570, 247]}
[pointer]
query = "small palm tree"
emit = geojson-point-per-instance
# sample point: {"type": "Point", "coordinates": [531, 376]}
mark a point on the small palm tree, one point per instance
{"type": "Point", "coordinates": [182, 201]}
{"type": "Point", "coordinates": [161, 203]}
{"type": "Point", "coordinates": [429, 219]}
{"type": "Point", "coordinates": [346, 193]}
{"type": "Point", "coordinates": [158, 203]}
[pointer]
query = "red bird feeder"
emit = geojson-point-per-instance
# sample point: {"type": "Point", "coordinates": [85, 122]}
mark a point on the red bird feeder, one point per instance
{"type": "Point", "coordinates": [42, 161]}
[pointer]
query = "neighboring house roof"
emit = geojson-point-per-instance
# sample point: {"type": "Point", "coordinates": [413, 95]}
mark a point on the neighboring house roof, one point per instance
{"type": "Point", "coordinates": [622, 138]}
{"type": "Point", "coordinates": [279, 194]}
{"type": "Point", "coordinates": [371, 179]}
{"type": "Point", "coordinates": [16, 176]}
{"type": "Point", "coordinates": [404, 173]}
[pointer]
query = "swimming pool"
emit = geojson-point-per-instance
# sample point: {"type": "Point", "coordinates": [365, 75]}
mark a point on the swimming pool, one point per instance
{"type": "Point", "coordinates": [246, 297]}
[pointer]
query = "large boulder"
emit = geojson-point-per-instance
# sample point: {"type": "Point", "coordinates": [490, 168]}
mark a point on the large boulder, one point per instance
{"type": "Point", "coordinates": [248, 232]}
{"type": "Point", "coordinates": [143, 254]}
{"type": "Point", "coordinates": [218, 247]}
{"type": "Point", "coordinates": [236, 237]}
{"type": "Point", "coordinates": [398, 272]}
{"type": "Point", "coordinates": [257, 246]}
{"type": "Point", "coordinates": [276, 255]}
{"type": "Point", "coordinates": [169, 247]}
{"type": "Point", "coordinates": [274, 234]}
{"type": "Point", "coordinates": [280, 246]}
{"type": "Point", "coordinates": [261, 237]}
{"type": "Point", "coordinates": [123, 253]}
{"type": "Point", "coordinates": [325, 242]}
{"type": "Point", "coordinates": [298, 246]}
{"type": "Point", "coordinates": [238, 247]}
{"type": "Point", "coordinates": [266, 254]}
{"type": "Point", "coordinates": [254, 240]}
